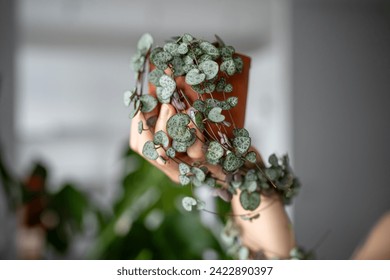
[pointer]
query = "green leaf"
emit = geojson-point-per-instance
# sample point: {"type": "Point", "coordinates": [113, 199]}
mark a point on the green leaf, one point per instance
{"type": "Point", "coordinates": [163, 96]}
{"type": "Point", "coordinates": [215, 115]}
{"type": "Point", "coordinates": [249, 201]}
{"type": "Point", "coordinates": [137, 62]}
{"type": "Point", "coordinates": [127, 98]}
{"type": "Point", "coordinates": [148, 103]}
{"type": "Point", "coordinates": [210, 68]}
{"type": "Point", "coordinates": [199, 174]}
{"type": "Point", "coordinates": [187, 38]}
{"type": "Point", "coordinates": [233, 101]}
{"type": "Point", "coordinates": [178, 66]}
{"type": "Point", "coordinates": [149, 151]}
{"type": "Point", "coordinates": [184, 168]}
{"type": "Point", "coordinates": [238, 63]}
{"type": "Point", "coordinates": [209, 87]}
{"type": "Point", "coordinates": [188, 202]}
{"type": "Point", "coordinates": [145, 43]}
{"type": "Point", "coordinates": [140, 127]}
{"type": "Point", "coordinates": [179, 146]}
{"type": "Point", "coordinates": [228, 88]}
{"type": "Point", "coordinates": [161, 59]}
{"type": "Point", "coordinates": [168, 84]}
{"type": "Point", "coordinates": [171, 48]}
{"type": "Point", "coordinates": [197, 118]}
{"type": "Point", "coordinates": [271, 173]}
{"type": "Point", "coordinates": [232, 163]}
{"type": "Point", "coordinates": [188, 60]}
{"type": "Point", "coordinates": [241, 144]}
{"type": "Point", "coordinates": [182, 49]}
{"type": "Point", "coordinates": [155, 75]}
{"type": "Point", "coordinates": [210, 182]}
{"type": "Point", "coordinates": [137, 106]}
{"type": "Point", "coordinates": [177, 127]}
{"type": "Point", "coordinates": [209, 49]}
{"type": "Point", "coordinates": [273, 160]}
{"type": "Point", "coordinates": [194, 77]}
{"type": "Point", "coordinates": [199, 105]}
{"type": "Point", "coordinates": [184, 180]}
{"type": "Point", "coordinates": [160, 138]}
{"type": "Point", "coordinates": [228, 67]}
{"type": "Point", "coordinates": [251, 157]}
{"type": "Point", "coordinates": [251, 186]}
{"type": "Point", "coordinates": [227, 52]}
{"type": "Point", "coordinates": [170, 152]}
{"type": "Point", "coordinates": [214, 152]}
{"type": "Point", "coordinates": [221, 84]}
{"type": "Point", "coordinates": [237, 132]}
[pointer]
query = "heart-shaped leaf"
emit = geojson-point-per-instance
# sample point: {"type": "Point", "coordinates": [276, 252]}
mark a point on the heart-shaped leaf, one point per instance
{"type": "Point", "coordinates": [168, 84]}
{"type": "Point", "coordinates": [171, 48]}
{"type": "Point", "coordinates": [210, 182]}
{"type": "Point", "coordinates": [149, 151]}
{"type": "Point", "coordinates": [170, 152]}
{"type": "Point", "coordinates": [239, 63]}
{"type": "Point", "coordinates": [184, 180]}
{"type": "Point", "coordinates": [179, 146]}
{"type": "Point", "coordinates": [232, 162]}
{"type": "Point", "coordinates": [155, 75]}
{"type": "Point", "coordinates": [199, 174]}
{"type": "Point", "coordinates": [160, 138]}
{"type": "Point", "coordinates": [187, 38]}
{"type": "Point", "coordinates": [209, 49]}
{"type": "Point", "coordinates": [251, 157]}
{"type": "Point", "coordinates": [241, 144]}
{"type": "Point", "coordinates": [194, 77]}
{"type": "Point", "coordinates": [228, 67]}
{"type": "Point", "coordinates": [214, 152]}
{"type": "Point", "coordinates": [163, 95]}
{"type": "Point", "coordinates": [249, 201]}
{"type": "Point", "coordinates": [199, 105]}
{"type": "Point", "coordinates": [148, 103]}
{"type": "Point", "coordinates": [209, 68]}
{"type": "Point", "coordinates": [178, 66]}
{"type": "Point", "coordinates": [177, 127]}
{"type": "Point", "coordinates": [127, 98]}
{"type": "Point", "coordinates": [240, 132]}
{"type": "Point", "coordinates": [188, 202]}
{"type": "Point", "coordinates": [145, 43]}
{"type": "Point", "coordinates": [184, 168]}
{"type": "Point", "coordinates": [137, 106]}
{"type": "Point", "coordinates": [183, 48]}
{"type": "Point", "coordinates": [273, 160]}
{"type": "Point", "coordinates": [233, 101]}
{"type": "Point", "coordinates": [215, 115]}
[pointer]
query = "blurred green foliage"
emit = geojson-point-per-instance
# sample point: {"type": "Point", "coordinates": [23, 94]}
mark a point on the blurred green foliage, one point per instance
{"type": "Point", "coordinates": [146, 222]}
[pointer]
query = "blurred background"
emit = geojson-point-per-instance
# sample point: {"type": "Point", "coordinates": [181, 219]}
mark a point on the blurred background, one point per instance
{"type": "Point", "coordinates": [319, 90]}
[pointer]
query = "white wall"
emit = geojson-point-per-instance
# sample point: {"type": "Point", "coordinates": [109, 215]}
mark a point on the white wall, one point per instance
{"type": "Point", "coordinates": [341, 70]}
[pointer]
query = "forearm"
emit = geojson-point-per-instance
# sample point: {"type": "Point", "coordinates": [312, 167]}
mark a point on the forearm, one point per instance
{"type": "Point", "coordinates": [271, 233]}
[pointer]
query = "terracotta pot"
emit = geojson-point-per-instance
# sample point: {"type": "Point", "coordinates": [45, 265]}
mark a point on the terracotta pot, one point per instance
{"type": "Point", "coordinates": [239, 82]}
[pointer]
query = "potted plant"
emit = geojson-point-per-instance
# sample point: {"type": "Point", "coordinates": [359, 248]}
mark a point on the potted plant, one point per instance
{"type": "Point", "coordinates": [207, 84]}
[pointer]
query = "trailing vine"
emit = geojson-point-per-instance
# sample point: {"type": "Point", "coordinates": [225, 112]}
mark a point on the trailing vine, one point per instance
{"type": "Point", "coordinates": [208, 69]}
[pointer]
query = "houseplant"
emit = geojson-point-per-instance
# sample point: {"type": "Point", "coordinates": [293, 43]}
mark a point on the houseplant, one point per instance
{"type": "Point", "coordinates": [206, 84]}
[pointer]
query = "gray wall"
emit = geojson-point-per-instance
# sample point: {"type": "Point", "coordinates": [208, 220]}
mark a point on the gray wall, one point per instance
{"type": "Point", "coordinates": [7, 38]}
{"type": "Point", "coordinates": [341, 84]}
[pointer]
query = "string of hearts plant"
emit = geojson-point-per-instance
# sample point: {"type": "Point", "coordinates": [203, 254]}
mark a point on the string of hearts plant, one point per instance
{"type": "Point", "coordinates": [206, 70]}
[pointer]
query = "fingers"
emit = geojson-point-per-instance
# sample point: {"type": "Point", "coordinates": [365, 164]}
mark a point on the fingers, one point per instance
{"type": "Point", "coordinates": [166, 111]}
{"type": "Point", "coordinates": [195, 150]}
